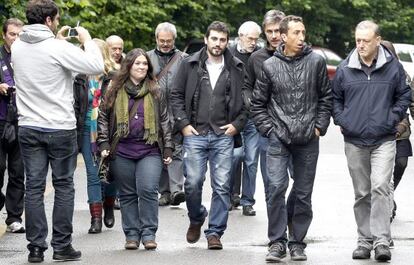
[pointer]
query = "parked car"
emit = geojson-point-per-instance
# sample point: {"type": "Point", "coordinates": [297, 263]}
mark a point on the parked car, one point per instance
{"type": "Point", "coordinates": [332, 60]}
{"type": "Point", "coordinates": [406, 55]}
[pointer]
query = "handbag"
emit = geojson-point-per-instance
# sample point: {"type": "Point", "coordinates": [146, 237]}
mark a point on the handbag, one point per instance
{"type": "Point", "coordinates": [103, 171]}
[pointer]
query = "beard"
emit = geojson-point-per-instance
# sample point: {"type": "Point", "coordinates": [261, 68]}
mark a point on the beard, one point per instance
{"type": "Point", "coordinates": [213, 51]}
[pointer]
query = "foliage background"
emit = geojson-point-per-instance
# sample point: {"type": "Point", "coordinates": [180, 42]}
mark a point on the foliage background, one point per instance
{"type": "Point", "coordinates": [329, 23]}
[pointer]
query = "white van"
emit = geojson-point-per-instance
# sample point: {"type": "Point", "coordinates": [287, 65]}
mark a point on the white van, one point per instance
{"type": "Point", "coordinates": [406, 54]}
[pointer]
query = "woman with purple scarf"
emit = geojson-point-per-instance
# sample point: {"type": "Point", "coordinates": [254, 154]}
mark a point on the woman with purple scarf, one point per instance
{"type": "Point", "coordinates": [88, 92]}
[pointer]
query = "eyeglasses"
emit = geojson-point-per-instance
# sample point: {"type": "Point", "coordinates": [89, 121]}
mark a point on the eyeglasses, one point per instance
{"type": "Point", "coordinates": [166, 41]}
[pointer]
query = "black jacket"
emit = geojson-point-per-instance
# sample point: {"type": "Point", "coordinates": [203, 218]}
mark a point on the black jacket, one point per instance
{"type": "Point", "coordinates": [80, 94]}
{"type": "Point", "coordinates": [292, 97]}
{"type": "Point", "coordinates": [107, 125]}
{"type": "Point", "coordinates": [368, 108]}
{"type": "Point", "coordinates": [184, 102]}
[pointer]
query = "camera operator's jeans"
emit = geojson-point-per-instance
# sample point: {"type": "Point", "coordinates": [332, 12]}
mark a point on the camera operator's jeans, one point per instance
{"type": "Point", "coordinates": [218, 150]}
{"type": "Point", "coordinates": [39, 149]}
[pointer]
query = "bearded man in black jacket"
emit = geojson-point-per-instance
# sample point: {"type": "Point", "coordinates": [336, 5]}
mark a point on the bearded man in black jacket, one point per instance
{"type": "Point", "coordinates": [291, 105]}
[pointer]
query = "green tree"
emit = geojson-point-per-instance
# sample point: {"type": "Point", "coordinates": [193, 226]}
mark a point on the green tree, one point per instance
{"type": "Point", "coordinates": [328, 23]}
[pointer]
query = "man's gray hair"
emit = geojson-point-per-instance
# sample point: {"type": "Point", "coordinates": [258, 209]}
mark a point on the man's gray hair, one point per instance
{"type": "Point", "coordinates": [369, 24]}
{"type": "Point", "coordinates": [273, 16]}
{"type": "Point", "coordinates": [166, 26]}
{"type": "Point", "coordinates": [113, 38]}
{"type": "Point", "coordinates": [249, 26]}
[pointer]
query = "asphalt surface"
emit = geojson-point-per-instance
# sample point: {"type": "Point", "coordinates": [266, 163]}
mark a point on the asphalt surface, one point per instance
{"type": "Point", "coordinates": [331, 237]}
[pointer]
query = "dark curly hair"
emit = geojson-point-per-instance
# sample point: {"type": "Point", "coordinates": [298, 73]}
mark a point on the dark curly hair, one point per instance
{"type": "Point", "coordinates": [38, 10]}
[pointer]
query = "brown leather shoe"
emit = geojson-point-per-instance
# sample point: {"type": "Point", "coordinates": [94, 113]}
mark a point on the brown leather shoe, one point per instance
{"type": "Point", "coordinates": [150, 245]}
{"type": "Point", "coordinates": [214, 242]}
{"type": "Point", "coordinates": [193, 232]}
{"type": "Point", "coordinates": [131, 244]}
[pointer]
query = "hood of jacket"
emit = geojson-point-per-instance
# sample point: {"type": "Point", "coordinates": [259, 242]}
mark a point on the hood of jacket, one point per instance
{"type": "Point", "coordinates": [384, 56]}
{"type": "Point", "coordinates": [36, 33]}
{"type": "Point", "coordinates": [280, 54]}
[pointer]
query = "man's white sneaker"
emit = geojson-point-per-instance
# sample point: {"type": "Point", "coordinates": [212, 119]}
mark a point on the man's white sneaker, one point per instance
{"type": "Point", "coordinates": [15, 227]}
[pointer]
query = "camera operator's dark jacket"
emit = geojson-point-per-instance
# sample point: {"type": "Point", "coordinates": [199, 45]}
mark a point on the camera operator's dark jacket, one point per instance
{"type": "Point", "coordinates": [80, 95]}
{"type": "Point", "coordinates": [368, 108]}
{"type": "Point", "coordinates": [187, 101]}
{"type": "Point", "coordinates": [292, 97]}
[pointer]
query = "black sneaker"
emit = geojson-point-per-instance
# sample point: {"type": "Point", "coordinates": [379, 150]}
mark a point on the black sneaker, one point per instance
{"type": "Point", "coordinates": [165, 199]}
{"type": "Point", "coordinates": [35, 255]}
{"type": "Point", "coordinates": [235, 200]}
{"type": "Point", "coordinates": [248, 210]}
{"type": "Point", "coordinates": [361, 253]}
{"type": "Point", "coordinates": [382, 253]}
{"type": "Point", "coordinates": [67, 254]}
{"type": "Point", "coordinates": [297, 253]}
{"type": "Point", "coordinates": [177, 198]}
{"type": "Point", "coordinates": [277, 251]}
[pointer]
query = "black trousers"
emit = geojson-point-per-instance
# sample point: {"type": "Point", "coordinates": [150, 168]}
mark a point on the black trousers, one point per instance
{"type": "Point", "coordinates": [10, 158]}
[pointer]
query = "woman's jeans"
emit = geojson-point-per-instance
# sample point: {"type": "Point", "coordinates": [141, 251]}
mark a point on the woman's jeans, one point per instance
{"type": "Point", "coordinates": [138, 182]}
{"type": "Point", "coordinates": [95, 187]}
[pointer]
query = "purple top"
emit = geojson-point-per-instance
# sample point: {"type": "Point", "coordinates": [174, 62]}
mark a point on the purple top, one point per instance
{"type": "Point", "coordinates": [8, 79]}
{"type": "Point", "coordinates": [133, 146]}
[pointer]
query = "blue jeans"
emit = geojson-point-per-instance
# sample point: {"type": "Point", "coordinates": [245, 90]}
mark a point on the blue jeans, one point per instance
{"type": "Point", "coordinates": [95, 186]}
{"type": "Point", "coordinates": [218, 150]}
{"type": "Point", "coordinates": [251, 145]}
{"type": "Point", "coordinates": [39, 149]}
{"type": "Point", "coordinates": [137, 182]}
{"type": "Point", "coordinates": [304, 158]}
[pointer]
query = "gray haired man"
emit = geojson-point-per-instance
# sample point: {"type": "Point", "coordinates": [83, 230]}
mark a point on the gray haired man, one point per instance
{"type": "Point", "coordinates": [165, 59]}
{"type": "Point", "coordinates": [370, 99]}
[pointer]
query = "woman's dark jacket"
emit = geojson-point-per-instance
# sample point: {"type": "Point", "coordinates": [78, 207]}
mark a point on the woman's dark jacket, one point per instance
{"type": "Point", "coordinates": [292, 97]}
{"type": "Point", "coordinates": [80, 94]}
{"type": "Point", "coordinates": [107, 125]}
{"type": "Point", "coordinates": [368, 108]}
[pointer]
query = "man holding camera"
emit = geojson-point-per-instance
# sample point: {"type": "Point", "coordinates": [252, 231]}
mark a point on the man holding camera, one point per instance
{"type": "Point", "coordinates": [43, 68]}
{"type": "Point", "coordinates": [9, 146]}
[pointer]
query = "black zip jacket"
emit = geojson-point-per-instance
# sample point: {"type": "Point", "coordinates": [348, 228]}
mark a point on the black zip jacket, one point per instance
{"type": "Point", "coordinates": [292, 97]}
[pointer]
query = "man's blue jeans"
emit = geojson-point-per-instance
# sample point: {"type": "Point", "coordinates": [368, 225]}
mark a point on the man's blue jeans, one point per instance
{"type": "Point", "coordinates": [137, 181]}
{"type": "Point", "coordinates": [39, 149]}
{"type": "Point", "coordinates": [95, 187]}
{"type": "Point", "coordinates": [253, 146]}
{"type": "Point", "coordinates": [304, 158]}
{"type": "Point", "coordinates": [218, 150]}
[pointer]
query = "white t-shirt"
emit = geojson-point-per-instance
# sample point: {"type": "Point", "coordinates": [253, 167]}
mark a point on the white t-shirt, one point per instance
{"type": "Point", "coordinates": [214, 70]}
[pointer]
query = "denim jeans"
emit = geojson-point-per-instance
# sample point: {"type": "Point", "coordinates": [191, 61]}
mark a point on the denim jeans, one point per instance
{"type": "Point", "coordinates": [137, 182]}
{"type": "Point", "coordinates": [251, 146]}
{"type": "Point", "coordinates": [10, 155]}
{"type": "Point", "coordinates": [172, 176]}
{"type": "Point", "coordinates": [304, 158]}
{"type": "Point", "coordinates": [218, 150]}
{"type": "Point", "coordinates": [95, 187]}
{"type": "Point", "coordinates": [371, 172]}
{"type": "Point", "coordinates": [39, 149]}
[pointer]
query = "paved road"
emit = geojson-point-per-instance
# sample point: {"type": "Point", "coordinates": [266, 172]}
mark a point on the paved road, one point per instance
{"type": "Point", "coordinates": [331, 238]}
